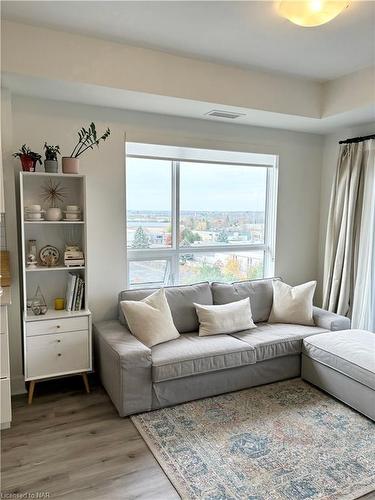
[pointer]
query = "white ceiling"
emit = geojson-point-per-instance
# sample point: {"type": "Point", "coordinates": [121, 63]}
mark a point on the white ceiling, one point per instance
{"type": "Point", "coordinates": [248, 34]}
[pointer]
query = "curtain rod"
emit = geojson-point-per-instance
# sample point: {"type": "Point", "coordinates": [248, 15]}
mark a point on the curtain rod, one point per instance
{"type": "Point", "coordinates": [357, 139]}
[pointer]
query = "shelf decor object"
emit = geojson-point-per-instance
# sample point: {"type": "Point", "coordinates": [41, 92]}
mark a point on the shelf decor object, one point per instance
{"type": "Point", "coordinates": [53, 192]}
{"type": "Point", "coordinates": [50, 163]}
{"type": "Point", "coordinates": [57, 343]}
{"type": "Point", "coordinates": [87, 139]}
{"type": "Point", "coordinates": [28, 158]}
{"type": "Point", "coordinates": [34, 213]}
{"type": "Point", "coordinates": [49, 256]}
{"type": "Point", "coordinates": [38, 303]}
{"type": "Point", "coordinates": [59, 304]}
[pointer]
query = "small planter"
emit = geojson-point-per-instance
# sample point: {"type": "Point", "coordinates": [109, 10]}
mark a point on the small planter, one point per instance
{"type": "Point", "coordinates": [51, 166]}
{"type": "Point", "coordinates": [53, 214]}
{"type": "Point", "coordinates": [70, 165]}
{"type": "Point", "coordinates": [28, 164]}
{"type": "Point", "coordinates": [28, 158]}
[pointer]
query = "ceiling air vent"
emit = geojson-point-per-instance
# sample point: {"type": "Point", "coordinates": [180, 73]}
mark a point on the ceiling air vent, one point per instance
{"type": "Point", "coordinates": [217, 113]}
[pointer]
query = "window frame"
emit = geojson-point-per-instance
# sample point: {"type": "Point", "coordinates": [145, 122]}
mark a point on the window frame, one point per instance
{"type": "Point", "coordinates": [172, 254]}
{"type": "Point", "coordinates": [168, 271]}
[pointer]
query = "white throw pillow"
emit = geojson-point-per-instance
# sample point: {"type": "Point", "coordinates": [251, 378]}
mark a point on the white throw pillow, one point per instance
{"type": "Point", "coordinates": [292, 304]}
{"type": "Point", "coordinates": [226, 318]}
{"type": "Point", "coordinates": [150, 319]}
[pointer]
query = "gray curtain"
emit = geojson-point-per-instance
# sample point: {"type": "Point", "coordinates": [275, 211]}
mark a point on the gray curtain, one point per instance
{"type": "Point", "coordinates": [349, 265]}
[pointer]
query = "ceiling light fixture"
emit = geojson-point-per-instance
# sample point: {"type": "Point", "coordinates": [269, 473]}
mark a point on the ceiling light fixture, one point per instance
{"type": "Point", "coordinates": [311, 12]}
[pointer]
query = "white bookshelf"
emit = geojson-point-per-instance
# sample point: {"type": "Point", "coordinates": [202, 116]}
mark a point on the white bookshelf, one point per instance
{"type": "Point", "coordinates": [57, 343]}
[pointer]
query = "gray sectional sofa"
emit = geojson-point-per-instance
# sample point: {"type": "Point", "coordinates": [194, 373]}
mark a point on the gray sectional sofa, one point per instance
{"type": "Point", "coordinates": [139, 379]}
{"type": "Point", "coordinates": [343, 364]}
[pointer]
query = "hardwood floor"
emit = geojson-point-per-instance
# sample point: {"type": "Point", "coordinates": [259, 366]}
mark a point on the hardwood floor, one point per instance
{"type": "Point", "coordinates": [72, 444]}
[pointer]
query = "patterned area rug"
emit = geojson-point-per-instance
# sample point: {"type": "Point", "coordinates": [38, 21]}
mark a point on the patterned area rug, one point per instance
{"type": "Point", "coordinates": [282, 441]}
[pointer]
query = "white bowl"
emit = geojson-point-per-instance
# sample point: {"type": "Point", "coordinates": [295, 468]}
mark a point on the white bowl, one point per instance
{"type": "Point", "coordinates": [34, 208]}
{"type": "Point", "coordinates": [72, 216]}
{"type": "Point", "coordinates": [72, 208]}
{"type": "Point", "coordinates": [34, 216]}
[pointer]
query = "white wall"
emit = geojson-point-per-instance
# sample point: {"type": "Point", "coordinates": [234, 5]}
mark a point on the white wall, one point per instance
{"type": "Point", "coordinates": [35, 121]}
{"type": "Point", "coordinates": [330, 154]}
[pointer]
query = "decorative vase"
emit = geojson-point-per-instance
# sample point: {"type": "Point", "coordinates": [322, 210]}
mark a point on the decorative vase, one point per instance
{"type": "Point", "coordinates": [28, 164]}
{"type": "Point", "coordinates": [51, 166]}
{"type": "Point", "coordinates": [70, 165]}
{"type": "Point", "coordinates": [53, 214]}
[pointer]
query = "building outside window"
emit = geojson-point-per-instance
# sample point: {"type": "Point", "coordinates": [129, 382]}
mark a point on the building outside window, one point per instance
{"type": "Point", "coordinates": [198, 215]}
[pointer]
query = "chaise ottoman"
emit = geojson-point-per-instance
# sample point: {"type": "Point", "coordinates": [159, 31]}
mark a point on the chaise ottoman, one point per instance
{"type": "Point", "coordinates": [343, 364]}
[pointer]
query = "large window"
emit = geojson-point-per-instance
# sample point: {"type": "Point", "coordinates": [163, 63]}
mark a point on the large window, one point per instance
{"type": "Point", "coordinates": [198, 215]}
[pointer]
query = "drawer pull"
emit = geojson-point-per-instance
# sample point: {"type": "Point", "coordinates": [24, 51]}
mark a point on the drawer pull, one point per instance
{"type": "Point", "coordinates": [59, 354]}
{"type": "Point", "coordinates": [59, 340]}
{"type": "Point", "coordinates": [57, 326]}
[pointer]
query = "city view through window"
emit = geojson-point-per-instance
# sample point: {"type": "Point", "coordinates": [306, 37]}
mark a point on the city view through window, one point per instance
{"type": "Point", "coordinates": [185, 226]}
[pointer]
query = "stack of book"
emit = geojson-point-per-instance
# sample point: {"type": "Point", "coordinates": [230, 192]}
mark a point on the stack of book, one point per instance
{"type": "Point", "coordinates": [74, 293]}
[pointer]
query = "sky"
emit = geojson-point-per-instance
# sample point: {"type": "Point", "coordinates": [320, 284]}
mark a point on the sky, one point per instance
{"type": "Point", "coordinates": [204, 187]}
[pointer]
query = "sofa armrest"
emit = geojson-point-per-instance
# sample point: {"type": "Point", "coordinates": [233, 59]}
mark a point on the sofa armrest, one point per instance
{"type": "Point", "coordinates": [124, 366]}
{"type": "Point", "coordinates": [329, 320]}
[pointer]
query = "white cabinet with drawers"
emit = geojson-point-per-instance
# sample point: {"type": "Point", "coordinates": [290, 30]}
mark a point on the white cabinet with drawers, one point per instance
{"type": "Point", "coordinates": [5, 410]}
{"type": "Point", "coordinates": [58, 343]}
{"type": "Point", "coordinates": [57, 347]}
{"type": "Point", "coordinates": [57, 353]}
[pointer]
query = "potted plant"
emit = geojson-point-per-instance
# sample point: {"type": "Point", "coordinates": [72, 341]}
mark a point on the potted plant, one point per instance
{"type": "Point", "coordinates": [50, 163]}
{"type": "Point", "coordinates": [86, 139]}
{"type": "Point", "coordinates": [28, 158]}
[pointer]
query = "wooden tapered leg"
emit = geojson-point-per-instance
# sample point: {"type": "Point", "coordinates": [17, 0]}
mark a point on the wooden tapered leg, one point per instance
{"type": "Point", "coordinates": [86, 382]}
{"type": "Point", "coordinates": [31, 391]}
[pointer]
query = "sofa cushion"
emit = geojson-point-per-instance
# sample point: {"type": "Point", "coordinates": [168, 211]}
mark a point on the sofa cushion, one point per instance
{"type": "Point", "coordinates": [181, 302]}
{"type": "Point", "coordinates": [260, 293]}
{"type": "Point", "coordinates": [275, 340]}
{"type": "Point", "coordinates": [351, 352]}
{"type": "Point", "coordinates": [293, 304]}
{"type": "Point", "coordinates": [150, 319]}
{"type": "Point", "coordinates": [192, 355]}
{"type": "Point", "coordinates": [224, 318]}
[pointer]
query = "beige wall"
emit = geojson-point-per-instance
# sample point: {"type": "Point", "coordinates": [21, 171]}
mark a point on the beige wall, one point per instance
{"type": "Point", "coordinates": [69, 57]}
{"type": "Point", "coordinates": [356, 89]}
{"type": "Point", "coordinates": [82, 59]}
{"type": "Point", "coordinates": [35, 121]}
{"type": "Point", "coordinates": [303, 192]}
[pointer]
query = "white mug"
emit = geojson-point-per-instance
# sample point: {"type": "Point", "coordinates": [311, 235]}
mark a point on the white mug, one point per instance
{"type": "Point", "coordinates": [34, 208]}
